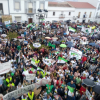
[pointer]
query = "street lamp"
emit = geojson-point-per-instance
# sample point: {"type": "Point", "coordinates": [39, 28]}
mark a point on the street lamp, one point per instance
{"type": "Point", "coordinates": [41, 15]}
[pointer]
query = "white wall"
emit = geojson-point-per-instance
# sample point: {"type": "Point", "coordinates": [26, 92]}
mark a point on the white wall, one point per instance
{"type": "Point", "coordinates": [58, 11]}
{"type": "Point", "coordinates": [87, 14]}
{"type": "Point", "coordinates": [5, 7]}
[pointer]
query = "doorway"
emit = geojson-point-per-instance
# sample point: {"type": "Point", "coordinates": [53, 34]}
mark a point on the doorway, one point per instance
{"type": "Point", "coordinates": [29, 20]}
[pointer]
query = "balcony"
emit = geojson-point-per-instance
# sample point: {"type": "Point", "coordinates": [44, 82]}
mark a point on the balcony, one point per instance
{"type": "Point", "coordinates": [61, 16]}
{"type": "Point", "coordinates": [1, 12]}
{"type": "Point", "coordinates": [30, 11]}
{"type": "Point", "coordinates": [97, 16]}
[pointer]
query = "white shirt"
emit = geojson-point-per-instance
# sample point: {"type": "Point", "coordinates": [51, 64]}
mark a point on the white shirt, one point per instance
{"type": "Point", "coordinates": [86, 73]}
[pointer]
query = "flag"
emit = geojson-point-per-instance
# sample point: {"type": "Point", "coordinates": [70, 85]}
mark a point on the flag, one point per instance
{"type": "Point", "coordinates": [72, 29]}
{"type": "Point", "coordinates": [52, 45]}
{"type": "Point", "coordinates": [33, 62]}
{"type": "Point", "coordinates": [62, 59]}
{"type": "Point", "coordinates": [79, 26]}
{"type": "Point", "coordinates": [70, 89]}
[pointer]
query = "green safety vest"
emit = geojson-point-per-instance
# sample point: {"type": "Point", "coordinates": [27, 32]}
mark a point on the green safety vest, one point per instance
{"type": "Point", "coordinates": [31, 96]}
{"type": "Point", "coordinates": [8, 80]}
{"type": "Point", "coordinates": [9, 85]}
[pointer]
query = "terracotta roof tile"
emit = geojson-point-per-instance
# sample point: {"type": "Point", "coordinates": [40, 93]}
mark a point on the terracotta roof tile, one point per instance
{"type": "Point", "coordinates": [58, 4]}
{"type": "Point", "coordinates": [81, 5]}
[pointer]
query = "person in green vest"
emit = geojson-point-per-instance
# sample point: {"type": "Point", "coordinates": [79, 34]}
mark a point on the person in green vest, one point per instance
{"type": "Point", "coordinates": [10, 84]}
{"type": "Point", "coordinates": [8, 79]}
{"type": "Point", "coordinates": [31, 95]}
{"type": "Point", "coordinates": [49, 88]}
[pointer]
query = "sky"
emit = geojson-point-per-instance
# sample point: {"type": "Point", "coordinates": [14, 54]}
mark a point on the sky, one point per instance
{"type": "Point", "coordinates": [61, 0]}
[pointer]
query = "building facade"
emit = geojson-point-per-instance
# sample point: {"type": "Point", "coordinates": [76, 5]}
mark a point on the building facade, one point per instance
{"type": "Point", "coordinates": [23, 10]}
{"type": "Point", "coordinates": [27, 10]}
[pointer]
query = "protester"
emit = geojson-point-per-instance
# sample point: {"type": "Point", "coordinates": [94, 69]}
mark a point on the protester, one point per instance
{"type": "Point", "coordinates": [65, 66]}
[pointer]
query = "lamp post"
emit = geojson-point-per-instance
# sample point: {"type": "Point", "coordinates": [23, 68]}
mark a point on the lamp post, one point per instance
{"type": "Point", "coordinates": [41, 15]}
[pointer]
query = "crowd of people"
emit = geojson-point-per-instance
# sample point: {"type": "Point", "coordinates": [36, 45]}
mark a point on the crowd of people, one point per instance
{"type": "Point", "coordinates": [66, 79]}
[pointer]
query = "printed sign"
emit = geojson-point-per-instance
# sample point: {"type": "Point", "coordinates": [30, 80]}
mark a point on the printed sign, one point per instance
{"type": "Point", "coordinates": [5, 67]}
{"type": "Point", "coordinates": [7, 22]}
{"type": "Point", "coordinates": [25, 90]}
{"type": "Point", "coordinates": [30, 77]}
{"type": "Point", "coordinates": [75, 53]}
{"type": "Point", "coordinates": [88, 94]}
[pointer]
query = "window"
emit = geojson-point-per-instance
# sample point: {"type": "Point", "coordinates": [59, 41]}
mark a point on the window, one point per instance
{"type": "Point", "coordinates": [62, 13]}
{"type": "Point", "coordinates": [53, 13]}
{"type": "Point", "coordinates": [17, 5]}
{"type": "Point", "coordinates": [77, 21]}
{"type": "Point", "coordinates": [90, 14]}
{"type": "Point", "coordinates": [42, 5]}
{"type": "Point", "coordinates": [69, 13]}
{"type": "Point", "coordinates": [88, 21]}
{"type": "Point", "coordinates": [79, 14]}
{"type": "Point", "coordinates": [99, 7]}
{"type": "Point", "coordinates": [30, 6]}
{"type": "Point", "coordinates": [18, 19]}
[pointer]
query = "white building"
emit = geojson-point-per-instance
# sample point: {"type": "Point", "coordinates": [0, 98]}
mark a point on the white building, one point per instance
{"type": "Point", "coordinates": [60, 11]}
{"type": "Point", "coordinates": [75, 11]}
{"type": "Point", "coordinates": [4, 10]}
{"type": "Point", "coordinates": [95, 3]}
{"type": "Point", "coordinates": [27, 10]}
{"type": "Point", "coordinates": [24, 10]}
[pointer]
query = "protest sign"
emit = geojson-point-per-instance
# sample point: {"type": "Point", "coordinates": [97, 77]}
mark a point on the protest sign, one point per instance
{"type": "Point", "coordinates": [48, 62]}
{"type": "Point", "coordinates": [75, 53]}
{"type": "Point", "coordinates": [25, 90]}
{"type": "Point", "coordinates": [88, 94]}
{"type": "Point", "coordinates": [5, 67]}
{"type": "Point", "coordinates": [7, 22]}
{"type": "Point", "coordinates": [30, 77]}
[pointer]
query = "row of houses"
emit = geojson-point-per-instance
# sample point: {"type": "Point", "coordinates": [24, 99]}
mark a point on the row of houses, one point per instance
{"type": "Point", "coordinates": [27, 10]}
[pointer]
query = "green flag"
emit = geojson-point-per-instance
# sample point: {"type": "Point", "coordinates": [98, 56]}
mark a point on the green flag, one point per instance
{"type": "Point", "coordinates": [62, 59]}
{"type": "Point", "coordinates": [70, 89]}
{"type": "Point", "coordinates": [24, 69]}
{"type": "Point", "coordinates": [18, 47]}
{"type": "Point", "coordinates": [32, 69]}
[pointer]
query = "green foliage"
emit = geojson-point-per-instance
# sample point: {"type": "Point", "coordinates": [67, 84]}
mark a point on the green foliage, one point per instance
{"type": "Point", "coordinates": [12, 35]}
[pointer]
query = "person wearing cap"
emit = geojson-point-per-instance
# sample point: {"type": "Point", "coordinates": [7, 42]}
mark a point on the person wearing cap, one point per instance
{"type": "Point", "coordinates": [31, 95]}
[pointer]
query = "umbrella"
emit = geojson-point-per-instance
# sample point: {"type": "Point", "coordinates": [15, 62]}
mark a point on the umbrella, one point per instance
{"type": "Point", "coordinates": [25, 42]}
{"type": "Point", "coordinates": [89, 82]}
{"type": "Point", "coordinates": [47, 38]}
{"type": "Point", "coordinates": [84, 38]}
{"type": "Point", "coordinates": [65, 33]}
{"type": "Point", "coordinates": [96, 89]}
{"type": "Point", "coordinates": [63, 45]}
{"type": "Point", "coordinates": [3, 35]}
{"type": "Point", "coordinates": [92, 44]}
{"type": "Point", "coordinates": [37, 45]}
{"type": "Point", "coordinates": [54, 38]}
{"type": "Point", "coordinates": [69, 44]}
{"type": "Point", "coordinates": [19, 37]}
{"type": "Point", "coordinates": [56, 42]}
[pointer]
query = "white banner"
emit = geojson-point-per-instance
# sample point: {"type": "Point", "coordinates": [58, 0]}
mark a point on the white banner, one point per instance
{"type": "Point", "coordinates": [88, 94]}
{"type": "Point", "coordinates": [7, 22]}
{"type": "Point", "coordinates": [75, 53]}
{"type": "Point", "coordinates": [48, 62]}
{"type": "Point", "coordinates": [5, 67]}
{"type": "Point", "coordinates": [25, 90]}
{"type": "Point", "coordinates": [30, 77]}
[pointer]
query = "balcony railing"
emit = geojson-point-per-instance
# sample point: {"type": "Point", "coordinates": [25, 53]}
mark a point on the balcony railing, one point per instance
{"type": "Point", "coordinates": [97, 17]}
{"type": "Point", "coordinates": [30, 11]}
{"type": "Point", "coordinates": [61, 16]}
{"type": "Point", "coordinates": [1, 12]}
